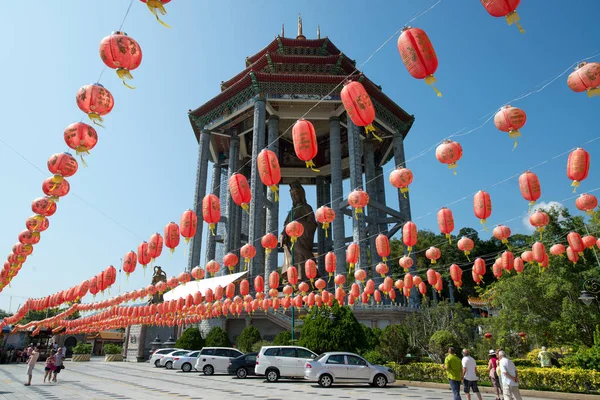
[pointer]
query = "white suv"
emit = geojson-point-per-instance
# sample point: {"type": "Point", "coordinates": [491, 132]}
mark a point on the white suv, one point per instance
{"type": "Point", "coordinates": [276, 362]}
{"type": "Point", "coordinates": [215, 359]}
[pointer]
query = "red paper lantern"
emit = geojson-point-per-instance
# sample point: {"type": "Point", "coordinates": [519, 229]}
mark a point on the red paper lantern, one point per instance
{"type": "Point", "coordinates": [360, 275]}
{"type": "Point", "coordinates": [433, 254]}
{"type": "Point", "coordinates": [305, 142]}
{"type": "Point", "coordinates": [171, 236]}
{"type": "Point", "coordinates": [445, 221]}
{"type": "Point", "coordinates": [557, 250]}
{"type": "Point", "coordinates": [588, 242]}
{"type": "Point", "coordinates": [504, 8]}
{"type": "Point", "coordinates": [382, 243]}
{"type": "Point", "coordinates": [142, 254]}
{"type": "Point", "coordinates": [358, 200]}
{"type": "Point", "coordinates": [539, 219]}
{"type": "Point", "coordinates": [422, 289]}
{"type": "Point", "coordinates": [43, 206]}
{"type": "Point", "coordinates": [401, 178]}
{"type": "Point", "coordinates": [479, 268]}
{"type": "Point", "coordinates": [352, 254]}
{"type": "Point", "coordinates": [211, 211]}
{"type": "Point", "coordinates": [62, 165]}
{"type": "Point", "coordinates": [359, 107]}
{"type": "Point", "coordinates": [310, 269]}
{"type": "Point", "coordinates": [408, 282]}
{"type": "Point", "coordinates": [95, 101]}
{"type": "Point", "coordinates": [55, 190]}
{"type": "Point", "coordinates": [382, 269]}
{"type": "Point", "coordinates": [230, 260]}
{"type": "Point", "coordinates": [269, 242]}
{"type": "Point", "coordinates": [37, 223]}
{"type": "Point", "coordinates": [431, 277]}
{"type": "Point", "coordinates": [157, 7]}
{"type": "Point", "coordinates": [294, 230]}
{"type": "Point", "coordinates": [578, 166]}
{"type": "Point", "coordinates": [418, 55]}
{"type": "Point", "coordinates": [212, 267]}
{"type": "Point", "coordinates": [572, 255]}
{"type": "Point", "coordinates": [119, 51]}
{"type": "Point", "coordinates": [538, 250]}
{"type": "Point", "coordinates": [80, 137]}
{"type": "Point", "coordinates": [197, 273]}
{"type": "Point", "coordinates": [449, 153]}
{"type": "Point", "coordinates": [155, 246]}
{"type": "Point", "coordinates": [456, 274]}
{"type": "Point", "coordinates": [183, 278]}
{"type": "Point", "coordinates": [527, 256]}
{"type": "Point", "coordinates": [586, 77]}
{"type": "Point", "coordinates": [273, 280]}
{"type": "Point", "coordinates": [586, 202]}
{"type": "Point", "coordinates": [405, 262]}
{"type": "Point", "coordinates": [510, 119]}
{"type": "Point", "coordinates": [129, 263]}
{"type": "Point", "coordinates": [330, 263]}
{"type": "Point", "coordinates": [240, 191]}
{"type": "Point", "coordinates": [325, 216]}
{"type": "Point", "coordinates": [530, 187]}
{"type": "Point", "coordinates": [188, 225]}
{"type": "Point", "coordinates": [507, 260]}
{"type": "Point", "coordinates": [27, 237]}
{"type": "Point", "coordinates": [248, 252]}
{"type": "Point", "coordinates": [21, 249]}
{"type": "Point", "coordinates": [519, 265]}
{"type": "Point", "coordinates": [502, 233]}
{"type": "Point", "coordinates": [269, 171]}
{"type": "Point", "coordinates": [482, 206]}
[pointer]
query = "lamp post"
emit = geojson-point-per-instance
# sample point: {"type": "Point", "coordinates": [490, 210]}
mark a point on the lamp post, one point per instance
{"type": "Point", "coordinates": [591, 289]}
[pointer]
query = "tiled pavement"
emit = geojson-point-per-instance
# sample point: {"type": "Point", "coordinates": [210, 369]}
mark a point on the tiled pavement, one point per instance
{"type": "Point", "coordinates": [100, 380]}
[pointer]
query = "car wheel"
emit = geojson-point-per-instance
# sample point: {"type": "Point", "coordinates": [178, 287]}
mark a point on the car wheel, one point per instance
{"type": "Point", "coordinates": [157, 363]}
{"type": "Point", "coordinates": [272, 375]}
{"type": "Point", "coordinates": [187, 367]}
{"type": "Point", "coordinates": [169, 365]}
{"type": "Point", "coordinates": [380, 381]}
{"type": "Point", "coordinates": [325, 380]}
{"type": "Point", "coordinates": [241, 373]}
{"type": "Point", "coordinates": [208, 370]}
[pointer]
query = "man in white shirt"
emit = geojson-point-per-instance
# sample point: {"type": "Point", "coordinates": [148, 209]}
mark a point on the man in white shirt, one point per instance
{"type": "Point", "coordinates": [469, 375]}
{"type": "Point", "coordinates": [31, 364]}
{"type": "Point", "coordinates": [510, 378]}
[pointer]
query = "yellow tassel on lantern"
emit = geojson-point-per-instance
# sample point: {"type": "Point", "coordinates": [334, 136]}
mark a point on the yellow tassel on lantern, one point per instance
{"type": "Point", "coordinates": [433, 262]}
{"type": "Point", "coordinates": [575, 185]}
{"type": "Point", "coordinates": [371, 129]}
{"type": "Point", "coordinates": [293, 239]}
{"type": "Point", "coordinates": [540, 230]}
{"type": "Point", "coordinates": [482, 222]}
{"type": "Point", "coordinates": [326, 228]}
{"type": "Point", "coordinates": [467, 255]}
{"type": "Point", "coordinates": [531, 204]}
{"type": "Point", "coordinates": [513, 135]}
{"type": "Point", "coordinates": [593, 92]}
{"type": "Point", "coordinates": [212, 228]}
{"type": "Point", "coordinates": [246, 208]}
{"type": "Point", "coordinates": [452, 166]}
{"type": "Point", "coordinates": [310, 164]}
{"type": "Point", "coordinates": [358, 211]}
{"type": "Point", "coordinates": [124, 74]}
{"type": "Point", "coordinates": [57, 180]}
{"type": "Point", "coordinates": [96, 119]}
{"type": "Point", "coordinates": [430, 80]}
{"type": "Point", "coordinates": [404, 190]}
{"type": "Point", "coordinates": [513, 18]}
{"type": "Point", "coordinates": [153, 6]}
{"type": "Point", "coordinates": [449, 238]}
{"type": "Point", "coordinates": [275, 191]}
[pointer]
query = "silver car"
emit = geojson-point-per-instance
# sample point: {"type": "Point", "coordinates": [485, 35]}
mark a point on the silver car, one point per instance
{"type": "Point", "coordinates": [186, 363]}
{"type": "Point", "coordinates": [167, 360]}
{"type": "Point", "coordinates": [337, 367]}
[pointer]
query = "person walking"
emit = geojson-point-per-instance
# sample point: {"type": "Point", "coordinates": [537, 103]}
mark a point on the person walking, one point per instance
{"type": "Point", "coordinates": [453, 368]}
{"type": "Point", "coordinates": [58, 362]}
{"type": "Point", "coordinates": [510, 378]}
{"type": "Point", "coordinates": [31, 364]}
{"type": "Point", "coordinates": [50, 367]}
{"type": "Point", "coordinates": [469, 375]}
{"type": "Point", "coordinates": [492, 367]}
{"type": "Point", "coordinates": [545, 358]}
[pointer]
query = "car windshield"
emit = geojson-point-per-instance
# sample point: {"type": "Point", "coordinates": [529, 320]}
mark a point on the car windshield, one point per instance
{"type": "Point", "coordinates": [321, 357]}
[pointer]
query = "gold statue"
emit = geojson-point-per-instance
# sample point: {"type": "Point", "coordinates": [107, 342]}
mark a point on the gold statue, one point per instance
{"type": "Point", "coordinates": [159, 275]}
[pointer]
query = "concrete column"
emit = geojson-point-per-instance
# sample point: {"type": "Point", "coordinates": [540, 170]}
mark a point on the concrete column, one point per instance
{"type": "Point", "coordinates": [211, 244]}
{"type": "Point", "coordinates": [451, 291]}
{"type": "Point", "coordinates": [337, 194]}
{"type": "Point", "coordinates": [320, 182]}
{"type": "Point", "coordinates": [380, 181]}
{"type": "Point", "coordinates": [201, 172]}
{"type": "Point", "coordinates": [234, 150]}
{"type": "Point", "coordinates": [359, 228]}
{"type": "Point", "coordinates": [256, 186]}
{"type": "Point", "coordinates": [371, 184]}
{"type": "Point", "coordinates": [273, 212]}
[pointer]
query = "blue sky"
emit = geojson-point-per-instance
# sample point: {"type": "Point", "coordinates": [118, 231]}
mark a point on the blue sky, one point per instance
{"type": "Point", "coordinates": [141, 174]}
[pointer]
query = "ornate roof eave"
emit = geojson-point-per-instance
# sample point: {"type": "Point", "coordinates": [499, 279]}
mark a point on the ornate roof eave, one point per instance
{"type": "Point", "coordinates": [256, 83]}
{"type": "Point", "coordinates": [279, 43]}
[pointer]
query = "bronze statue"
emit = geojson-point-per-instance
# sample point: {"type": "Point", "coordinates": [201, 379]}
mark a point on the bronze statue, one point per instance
{"type": "Point", "coordinates": [303, 247]}
{"type": "Point", "coordinates": [159, 275]}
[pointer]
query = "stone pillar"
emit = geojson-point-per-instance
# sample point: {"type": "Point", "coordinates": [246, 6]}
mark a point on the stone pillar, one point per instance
{"type": "Point", "coordinates": [451, 290]}
{"type": "Point", "coordinates": [337, 194]}
{"type": "Point", "coordinates": [380, 181]}
{"type": "Point", "coordinates": [359, 228]}
{"type": "Point", "coordinates": [371, 185]}
{"type": "Point", "coordinates": [320, 183]}
{"type": "Point", "coordinates": [256, 205]}
{"type": "Point", "coordinates": [234, 149]}
{"type": "Point", "coordinates": [211, 244]}
{"type": "Point", "coordinates": [273, 212]}
{"type": "Point", "coordinates": [201, 173]}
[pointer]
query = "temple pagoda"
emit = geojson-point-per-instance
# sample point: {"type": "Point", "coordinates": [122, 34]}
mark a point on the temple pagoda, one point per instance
{"type": "Point", "coordinates": [288, 79]}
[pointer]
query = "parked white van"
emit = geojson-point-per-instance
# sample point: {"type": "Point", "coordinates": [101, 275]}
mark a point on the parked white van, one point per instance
{"type": "Point", "coordinates": [215, 360]}
{"type": "Point", "coordinates": [276, 362]}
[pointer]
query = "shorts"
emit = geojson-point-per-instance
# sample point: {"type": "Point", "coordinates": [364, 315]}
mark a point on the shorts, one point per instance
{"type": "Point", "coordinates": [30, 369]}
{"type": "Point", "coordinates": [470, 385]}
{"type": "Point", "coordinates": [58, 368]}
{"type": "Point", "coordinates": [49, 368]}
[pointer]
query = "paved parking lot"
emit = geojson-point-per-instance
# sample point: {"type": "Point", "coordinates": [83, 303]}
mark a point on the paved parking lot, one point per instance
{"type": "Point", "coordinates": [101, 380]}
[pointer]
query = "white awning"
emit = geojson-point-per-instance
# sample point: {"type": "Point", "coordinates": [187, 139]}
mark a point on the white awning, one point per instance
{"type": "Point", "coordinates": [202, 285]}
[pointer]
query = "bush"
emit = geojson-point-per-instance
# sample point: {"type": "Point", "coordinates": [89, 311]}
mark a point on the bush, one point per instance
{"type": "Point", "coordinates": [283, 338]}
{"type": "Point", "coordinates": [190, 340]}
{"type": "Point", "coordinates": [393, 344]}
{"type": "Point", "coordinates": [249, 336]}
{"type": "Point", "coordinates": [256, 347]}
{"type": "Point", "coordinates": [110, 348]}
{"type": "Point", "coordinates": [375, 357]}
{"type": "Point", "coordinates": [82, 348]}
{"type": "Point", "coordinates": [439, 344]}
{"type": "Point", "coordinates": [585, 357]}
{"type": "Point", "coordinates": [372, 338]}
{"type": "Point", "coordinates": [575, 380]}
{"type": "Point", "coordinates": [331, 329]}
{"type": "Point", "coordinates": [217, 337]}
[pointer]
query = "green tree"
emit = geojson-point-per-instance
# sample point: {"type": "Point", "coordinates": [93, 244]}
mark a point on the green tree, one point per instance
{"type": "Point", "coordinates": [191, 339]}
{"type": "Point", "coordinates": [217, 337]}
{"type": "Point", "coordinates": [394, 344]}
{"type": "Point", "coordinates": [331, 329]}
{"type": "Point", "coordinates": [283, 338]}
{"type": "Point", "coordinates": [4, 314]}
{"type": "Point", "coordinates": [372, 338]}
{"type": "Point", "coordinates": [249, 336]}
{"type": "Point", "coordinates": [439, 344]}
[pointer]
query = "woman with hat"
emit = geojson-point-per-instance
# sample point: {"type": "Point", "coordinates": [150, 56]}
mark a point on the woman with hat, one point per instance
{"type": "Point", "coordinates": [492, 365]}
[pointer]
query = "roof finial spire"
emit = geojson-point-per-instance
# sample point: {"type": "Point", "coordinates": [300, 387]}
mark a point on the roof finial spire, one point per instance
{"type": "Point", "coordinates": [318, 31]}
{"type": "Point", "coordinates": [300, 35]}
{"type": "Point", "coordinates": [282, 30]}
